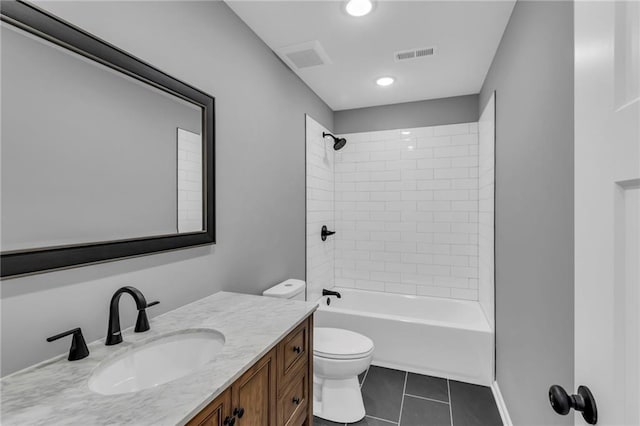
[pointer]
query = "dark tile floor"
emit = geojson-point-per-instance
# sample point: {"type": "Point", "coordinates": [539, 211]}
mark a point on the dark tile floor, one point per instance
{"type": "Point", "coordinates": [394, 397]}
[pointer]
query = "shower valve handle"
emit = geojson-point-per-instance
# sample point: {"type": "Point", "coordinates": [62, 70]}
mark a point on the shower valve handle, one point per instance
{"type": "Point", "coordinates": [324, 233]}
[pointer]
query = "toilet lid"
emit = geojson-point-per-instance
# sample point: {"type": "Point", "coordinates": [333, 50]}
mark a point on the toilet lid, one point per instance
{"type": "Point", "coordinates": [337, 343]}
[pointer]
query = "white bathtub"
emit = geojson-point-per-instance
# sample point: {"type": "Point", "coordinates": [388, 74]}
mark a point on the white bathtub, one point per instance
{"type": "Point", "coordinates": [427, 335]}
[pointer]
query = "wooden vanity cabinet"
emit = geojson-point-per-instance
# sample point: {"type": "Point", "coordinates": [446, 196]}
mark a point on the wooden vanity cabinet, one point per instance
{"type": "Point", "coordinates": [216, 413]}
{"type": "Point", "coordinates": [253, 394]}
{"type": "Point", "coordinates": [277, 390]}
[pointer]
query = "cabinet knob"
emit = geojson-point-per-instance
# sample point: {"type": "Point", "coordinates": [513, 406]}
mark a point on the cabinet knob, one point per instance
{"type": "Point", "coordinates": [297, 349]}
{"type": "Point", "coordinates": [229, 421]}
{"type": "Point", "coordinates": [296, 400]}
{"type": "Point", "coordinates": [239, 411]}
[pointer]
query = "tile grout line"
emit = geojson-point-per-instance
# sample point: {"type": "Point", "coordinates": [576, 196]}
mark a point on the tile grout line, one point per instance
{"type": "Point", "coordinates": [378, 418]}
{"type": "Point", "coordinates": [366, 373]}
{"type": "Point", "coordinates": [450, 404]}
{"type": "Point", "coordinates": [425, 398]}
{"type": "Point", "coordinates": [404, 388]}
{"type": "Point", "coordinates": [404, 395]}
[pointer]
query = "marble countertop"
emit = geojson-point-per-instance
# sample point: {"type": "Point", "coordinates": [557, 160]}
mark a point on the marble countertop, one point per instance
{"type": "Point", "coordinates": [55, 392]}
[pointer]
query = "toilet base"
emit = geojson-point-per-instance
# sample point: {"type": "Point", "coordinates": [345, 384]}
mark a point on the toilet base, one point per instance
{"type": "Point", "coordinates": [338, 400]}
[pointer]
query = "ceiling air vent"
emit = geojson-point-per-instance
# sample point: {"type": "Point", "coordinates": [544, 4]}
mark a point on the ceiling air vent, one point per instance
{"type": "Point", "coordinates": [304, 55]}
{"type": "Point", "coordinates": [421, 52]}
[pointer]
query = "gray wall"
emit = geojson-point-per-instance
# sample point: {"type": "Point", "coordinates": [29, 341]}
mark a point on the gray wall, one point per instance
{"type": "Point", "coordinates": [459, 109]}
{"type": "Point", "coordinates": [532, 74]}
{"type": "Point", "coordinates": [260, 187]}
{"type": "Point", "coordinates": [87, 161]}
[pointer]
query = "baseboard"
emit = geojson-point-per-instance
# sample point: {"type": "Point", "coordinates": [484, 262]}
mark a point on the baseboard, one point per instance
{"type": "Point", "coordinates": [502, 407]}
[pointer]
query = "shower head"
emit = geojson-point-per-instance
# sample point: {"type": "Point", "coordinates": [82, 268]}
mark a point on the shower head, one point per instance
{"type": "Point", "coordinates": [338, 143]}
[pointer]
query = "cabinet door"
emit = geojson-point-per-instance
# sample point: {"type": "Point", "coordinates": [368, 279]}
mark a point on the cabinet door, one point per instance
{"type": "Point", "coordinates": [292, 353]}
{"type": "Point", "coordinates": [215, 413]}
{"type": "Point", "coordinates": [253, 395]}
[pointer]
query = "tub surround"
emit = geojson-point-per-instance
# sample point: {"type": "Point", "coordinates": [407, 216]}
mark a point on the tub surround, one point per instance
{"type": "Point", "coordinates": [406, 211]}
{"type": "Point", "coordinates": [486, 209]}
{"type": "Point", "coordinates": [56, 390]}
{"type": "Point", "coordinates": [320, 208]}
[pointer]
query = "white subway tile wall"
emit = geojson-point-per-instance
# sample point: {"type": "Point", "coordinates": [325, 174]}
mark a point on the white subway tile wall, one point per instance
{"type": "Point", "coordinates": [189, 148]}
{"type": "Point", "coordinates": [320, 209]}
{"type": "Point", "coordinates": [486, 260]}
{"type": "Point", "coordinates": [406, 211]}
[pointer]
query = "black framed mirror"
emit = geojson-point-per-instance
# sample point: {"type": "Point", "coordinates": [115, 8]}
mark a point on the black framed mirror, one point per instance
{"type": "Point", "coordinates": [103, 155]}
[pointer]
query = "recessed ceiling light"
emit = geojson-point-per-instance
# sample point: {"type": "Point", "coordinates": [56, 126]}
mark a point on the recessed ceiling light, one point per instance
{"type": "Point", "coordinates": [385, 81]}
{"type": "Point", "coordinates": [405, 132]}
{"type": "Point", "coordinates": [358, 7]}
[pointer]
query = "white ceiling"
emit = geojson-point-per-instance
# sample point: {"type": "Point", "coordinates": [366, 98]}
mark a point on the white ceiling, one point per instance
{"type": "Point", "coordinates": [466, 35]}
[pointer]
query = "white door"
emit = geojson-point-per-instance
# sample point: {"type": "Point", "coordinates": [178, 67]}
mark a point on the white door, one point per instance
{"type": "Point", "coordinates": [607, 207]}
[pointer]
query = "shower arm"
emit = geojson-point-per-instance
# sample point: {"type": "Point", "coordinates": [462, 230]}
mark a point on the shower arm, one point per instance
{"type": "Point", "coordinates": [325, 134]}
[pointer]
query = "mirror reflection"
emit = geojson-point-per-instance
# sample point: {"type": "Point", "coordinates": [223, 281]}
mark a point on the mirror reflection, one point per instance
{"type": "Point", "coordinates": [76, 137]}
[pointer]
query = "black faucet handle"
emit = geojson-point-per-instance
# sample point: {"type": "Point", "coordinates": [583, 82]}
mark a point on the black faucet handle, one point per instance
{"type": "Point", "coordinates": [142, 323]}
{"type": "Point", "coordinates": [78, 348]}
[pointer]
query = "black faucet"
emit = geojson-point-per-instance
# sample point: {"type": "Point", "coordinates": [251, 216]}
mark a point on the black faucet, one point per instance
{"type": "Point", "coordinates": [114, 336]}
{"type": "Point", "coordinates": [326, 292]}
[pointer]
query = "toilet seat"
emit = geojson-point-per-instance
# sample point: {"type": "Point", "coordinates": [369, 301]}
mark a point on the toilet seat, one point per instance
{"type": "Point", "coordinates": [337, 343]}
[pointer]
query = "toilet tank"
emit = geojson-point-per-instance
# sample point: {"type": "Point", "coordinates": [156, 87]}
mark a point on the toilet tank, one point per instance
{"type": "Point", "coordinates": [289, 289]}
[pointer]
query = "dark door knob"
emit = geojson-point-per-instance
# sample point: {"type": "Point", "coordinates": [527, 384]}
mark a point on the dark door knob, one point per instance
{"type": "Point", "coordinates": [324, 233]}
{"type": "Point", "coordinates": [229, 421]}
{"type": "Point", "coordinates": [583, 401]}
{"type": "Point", "coordinates": [297, 349]}
{"type": "Point", "coordinates": [296, 400]}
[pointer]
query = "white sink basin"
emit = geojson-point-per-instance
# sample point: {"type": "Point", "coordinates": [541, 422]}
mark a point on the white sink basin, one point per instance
{"type": "Point", "coordinates": [159, 361]}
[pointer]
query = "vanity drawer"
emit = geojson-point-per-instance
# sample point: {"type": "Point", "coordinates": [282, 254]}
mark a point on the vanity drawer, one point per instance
{"type": "Point", "coordinates": [294, 401]}
{"type": "Point", "coordinates": [293, 352]}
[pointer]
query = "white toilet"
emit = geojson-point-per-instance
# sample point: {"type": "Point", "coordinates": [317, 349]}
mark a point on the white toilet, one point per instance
{"type": "Point", "coordinates": [338, 357]}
